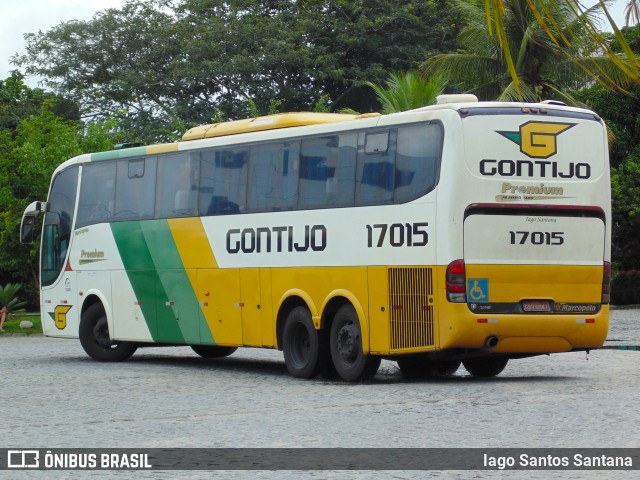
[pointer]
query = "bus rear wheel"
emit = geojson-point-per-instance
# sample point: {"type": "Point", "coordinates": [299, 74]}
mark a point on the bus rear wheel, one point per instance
{"type": "Point", "coordinates": [301, 344]}
{"type": "Point", "coordinates": [213, 351]}
{"type": "Point", "coordinates": [95, 338]}
{"type": "Point", "coordinates": [485, 367]}
{"type": "Point", "coordinates": [345, 342]}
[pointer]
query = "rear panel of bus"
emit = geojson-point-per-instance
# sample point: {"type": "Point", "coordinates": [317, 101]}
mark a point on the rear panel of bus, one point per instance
{"type": "Point", "coordinates": [528, 201]}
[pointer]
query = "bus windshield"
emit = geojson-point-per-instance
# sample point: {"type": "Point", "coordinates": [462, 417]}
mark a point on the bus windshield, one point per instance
{"type": "Point", "coordinates": [57, 225]}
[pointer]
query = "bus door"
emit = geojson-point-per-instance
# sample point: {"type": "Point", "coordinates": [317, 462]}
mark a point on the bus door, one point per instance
{"type": "Point", "coordinates": [60, 314]}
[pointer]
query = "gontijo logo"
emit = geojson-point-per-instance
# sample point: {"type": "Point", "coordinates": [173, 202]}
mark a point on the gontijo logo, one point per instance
{"type": "Point", "coordinates": [538, 139]}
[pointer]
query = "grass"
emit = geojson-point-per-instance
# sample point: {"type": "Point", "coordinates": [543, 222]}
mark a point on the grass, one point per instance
{"type": "Point", "coordinates": [12, 325]}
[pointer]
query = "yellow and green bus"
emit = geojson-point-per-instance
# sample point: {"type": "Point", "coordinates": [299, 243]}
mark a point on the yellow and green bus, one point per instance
{"type": "Point", "coordinates": [464, 232]}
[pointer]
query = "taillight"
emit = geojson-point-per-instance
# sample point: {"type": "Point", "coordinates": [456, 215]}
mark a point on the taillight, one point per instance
{"type": "Point", "coordinates": [606, 283]}
{"type": "Point", "coordinates": [456, 282]}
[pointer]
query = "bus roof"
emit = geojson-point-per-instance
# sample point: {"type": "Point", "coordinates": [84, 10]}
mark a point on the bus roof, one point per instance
{"type": "Point", "coordinates": [269, 122]}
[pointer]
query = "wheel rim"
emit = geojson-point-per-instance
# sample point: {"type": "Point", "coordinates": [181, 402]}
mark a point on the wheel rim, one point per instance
{"type": "Point", "coordinates": [101, 333]}
{"type": "Point", "coordinates": [348, 343]}
{"type": "Point", "coordinates": [301, 350]}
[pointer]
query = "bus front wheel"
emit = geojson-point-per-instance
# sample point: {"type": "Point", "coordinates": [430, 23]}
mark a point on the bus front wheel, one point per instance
{"type": "Point", "coordinates": [95, 338]}
{"type": "Point", "coordinates": [345, 341]}
{"type": "Point", "coordinates": [485, 367]}
{"type": "Point", "coordinates": [213, 351]}
{"type": "Point", "coordinates": [301, 344]}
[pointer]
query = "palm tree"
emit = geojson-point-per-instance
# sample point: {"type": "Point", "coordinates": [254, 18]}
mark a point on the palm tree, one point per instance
{"type": "Point", "coordinates": [8, 295]}
{"type": "Point", "coordinates": [632, 13]}
{"type": "Point", "coordinates": [407, 91]}
{"type": "Point", "coordinates": [544, 69]}
{"type": "Point", "coordinates": [551, 14]}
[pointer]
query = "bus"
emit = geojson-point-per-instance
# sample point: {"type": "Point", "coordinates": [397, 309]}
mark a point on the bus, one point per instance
{"type": "Point", "coordinates": [463, 232]}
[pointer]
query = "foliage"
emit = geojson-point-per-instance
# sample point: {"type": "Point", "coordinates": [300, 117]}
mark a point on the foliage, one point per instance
{"type": "Point", "coordinates": [545, 69]}
{"type": "Point", "coordinates": [625, 288]}
{"type": "Point", "coordinates": [620, 112]}
{"type": "Point", "coordinates": [8, 296]}
{"type": "Point", "coordinates": [29, 153]}
{"type": "Point", "coordinates": [18, 101]}
{"type": "Point", "coordinates": [555, 18]}
{"type": "Point", "coordinates": [407, 91]}
{"type": "Point", "coordinates": [167, 65]}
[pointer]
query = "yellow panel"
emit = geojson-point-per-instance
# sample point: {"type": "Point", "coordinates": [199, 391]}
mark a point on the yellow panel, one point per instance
{"type": "Point", "coordinates": [532, 345]}
{"type": "Point", "coordinates": [162, 148]}
{"type": "Point", "coordinates": [379, 341]}
{"type": "Point", "coordinates": [251, 307]}
{"type": "Point", "coordinates": [565, 283]}
{"type": "Point", "coordinates": [267, 312]}
{"type": "Point", "coordinates": [459, 327]}
{"type": "Point", "coordinates": [219, 296]}
{"type": "Point", "coordinates": [192, 242]}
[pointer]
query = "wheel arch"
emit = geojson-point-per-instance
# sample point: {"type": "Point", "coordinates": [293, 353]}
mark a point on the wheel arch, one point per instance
{"type": "Point", "coordinates": [334, 301]}
{"type": "Point", "coordinates": [290, 300]}
{"type": "Point", "coordinates": [93, 297]}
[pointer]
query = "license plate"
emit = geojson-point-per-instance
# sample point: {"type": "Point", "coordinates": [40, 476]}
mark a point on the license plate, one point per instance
{"type": "Point", "coordinates": [536, 305]}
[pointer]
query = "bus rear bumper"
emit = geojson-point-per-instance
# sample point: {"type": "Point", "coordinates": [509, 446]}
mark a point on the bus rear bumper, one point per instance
{"type": "Point", "coordinates": [522, 334]}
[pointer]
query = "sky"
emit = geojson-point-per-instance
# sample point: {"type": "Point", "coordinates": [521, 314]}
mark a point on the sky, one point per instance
{"type": "Point", "coordinates": [29, 16]}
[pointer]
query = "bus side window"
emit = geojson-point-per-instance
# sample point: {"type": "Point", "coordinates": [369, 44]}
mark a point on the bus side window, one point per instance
{"type": "Point", "coordinates": [223, 185]}
{"type": "Point", "coordinates": [375, 169]}
{"type": "Point", "coordinates": [273, 177]}
{"type": "Point", "coordinates": [135, 189]}
{"type": "Point", "coordinates": [327, 171]}
{"type": "Point", "coordinates": [97, 193]}
{"type": "Point", "coordinates": [177, 185]}
{"type": "Point", "coordinates": [417, 161]}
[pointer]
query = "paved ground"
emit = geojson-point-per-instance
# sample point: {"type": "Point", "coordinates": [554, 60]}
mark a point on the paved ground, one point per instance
{"type": "Point", "coordinates": [53, 395]}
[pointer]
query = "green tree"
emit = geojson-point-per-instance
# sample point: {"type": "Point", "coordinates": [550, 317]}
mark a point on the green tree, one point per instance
{"type": "Point", "coordinates": [407, 91]}
{"type": "Point", "coordinates": [545, 69]}
{"type": "Point", "coordinates": [555, 17]}
{"type": "Point", "coordinates": [620, 112]}
{"type": "Point", "coordinates": [18, 101]}
{"type": "Point", "coordinates": [632, 13]}
{"type": "Point", "coordinates": [28, 158]}
{"type": "Point", "coordinates": [167, 65]}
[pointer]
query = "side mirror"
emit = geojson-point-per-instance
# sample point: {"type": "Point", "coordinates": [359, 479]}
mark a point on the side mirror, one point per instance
{"type": "Point", "coordinates": [28, 219]}
{"type": "Point", "coordinates": [26, 229]}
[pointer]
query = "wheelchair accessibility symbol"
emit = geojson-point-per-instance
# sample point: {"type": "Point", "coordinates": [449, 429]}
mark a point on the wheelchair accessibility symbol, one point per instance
{"type": "Point", "coordinates": [478, 289]}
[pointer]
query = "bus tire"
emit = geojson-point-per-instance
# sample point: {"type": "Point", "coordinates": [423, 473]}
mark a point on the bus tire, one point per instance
{"type": "Point", "coordinates": [213, 351]}
{"type": "Point", "coordinates": [95, 338]}
{"type": "Point", "coordinates": [345, 341]}
{"type": "Point", "coordinates": [485, 367]}
{"type": "Point", "coordinates": [301, 344]}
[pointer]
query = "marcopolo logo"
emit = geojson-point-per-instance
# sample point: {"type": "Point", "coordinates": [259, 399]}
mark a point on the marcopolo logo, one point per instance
{"type": "Point", "coordinates": [538, 139]}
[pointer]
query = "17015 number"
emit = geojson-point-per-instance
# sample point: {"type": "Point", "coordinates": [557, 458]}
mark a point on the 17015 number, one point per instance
{"type": "Point", "coordinates": [537, 238]}
{"type": "Point", "coordinates": [399, 234]}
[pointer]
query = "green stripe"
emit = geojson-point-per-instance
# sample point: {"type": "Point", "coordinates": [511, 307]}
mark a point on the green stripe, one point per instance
{"type": "Point", "coordinates": [158, 278]}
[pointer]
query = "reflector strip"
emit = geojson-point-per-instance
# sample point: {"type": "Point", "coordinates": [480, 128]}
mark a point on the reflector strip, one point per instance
{"type": "Point", "coordinates": [585, 320]}
{"type": "Point", "coordinates": [487, 320]}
